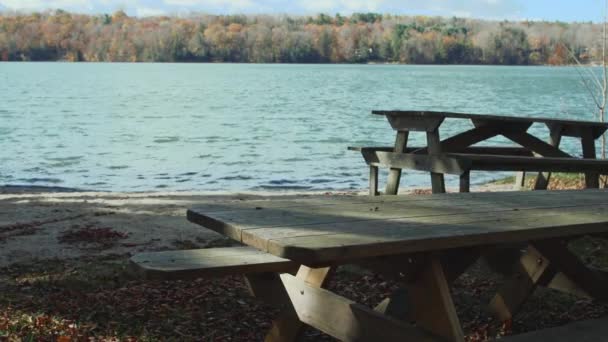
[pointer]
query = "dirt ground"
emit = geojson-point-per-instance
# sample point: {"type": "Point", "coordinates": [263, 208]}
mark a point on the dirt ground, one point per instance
{"type": "Point", "coordinates": [64, 275]}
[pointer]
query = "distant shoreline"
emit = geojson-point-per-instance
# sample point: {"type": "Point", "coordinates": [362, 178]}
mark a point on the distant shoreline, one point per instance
{"type": "Point", "coordinates": [319, 63]}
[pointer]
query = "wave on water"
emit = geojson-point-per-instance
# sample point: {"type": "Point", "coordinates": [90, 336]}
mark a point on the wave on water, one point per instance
{"type": "Point", "coordinates": [166, 140]}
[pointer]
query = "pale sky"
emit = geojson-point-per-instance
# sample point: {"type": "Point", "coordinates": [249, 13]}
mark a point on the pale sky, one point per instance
{"type": "Point", "coordinates": [564, 10]}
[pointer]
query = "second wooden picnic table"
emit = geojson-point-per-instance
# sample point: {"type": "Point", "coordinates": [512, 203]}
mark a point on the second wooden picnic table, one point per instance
{"type": "Point", "coordinates": [457, 155]}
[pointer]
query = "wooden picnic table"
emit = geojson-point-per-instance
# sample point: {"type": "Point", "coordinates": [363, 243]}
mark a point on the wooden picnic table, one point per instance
{"type": "Point", "coordinates": [457, 155]}
{"type": "Point", "coordinates": [424, 241]}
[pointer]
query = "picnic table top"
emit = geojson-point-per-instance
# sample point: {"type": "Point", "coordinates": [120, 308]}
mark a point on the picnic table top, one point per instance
{"type": "Point", "coordinates": [514, 119]}
{"type": "Point", "coordinates": [333, 229]}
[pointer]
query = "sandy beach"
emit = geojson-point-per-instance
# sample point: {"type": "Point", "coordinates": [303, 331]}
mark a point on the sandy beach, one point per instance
{"type": "Point", "coordinates": [58, 223]}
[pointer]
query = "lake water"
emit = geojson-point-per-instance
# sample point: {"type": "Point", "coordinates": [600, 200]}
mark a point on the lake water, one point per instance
{"type": "Point", "coordinates": [135, 127]}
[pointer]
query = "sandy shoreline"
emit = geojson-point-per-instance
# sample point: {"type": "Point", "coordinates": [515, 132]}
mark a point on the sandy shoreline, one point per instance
{"type": "Point", "coordinates": [38, 223]}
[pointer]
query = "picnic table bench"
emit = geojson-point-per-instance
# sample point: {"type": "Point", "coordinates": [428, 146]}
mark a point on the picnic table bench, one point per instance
{"type": "Point", "coordinates": [457, 155]}
{"type": "Point", "coordinates": [426, 242]}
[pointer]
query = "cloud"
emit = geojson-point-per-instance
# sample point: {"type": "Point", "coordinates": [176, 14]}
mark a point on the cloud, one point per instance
{"type": "Point", "coordinates": [149, 12]}
{"type": "Point", "coordinates": [227, 5]}
{"type": "Point", "coordinates": [469, 8]}
{"type": "Point", "coordinates": [342, 6]}
{"type": "Point", "coordinates": [41, 4]}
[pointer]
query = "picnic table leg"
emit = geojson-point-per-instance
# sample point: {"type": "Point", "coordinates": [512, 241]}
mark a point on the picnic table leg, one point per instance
{"type": "Point", "coordinates": [434, 145]}
{"type": "Point", "coordinates": [520, 181]}
{"type": "Point", "coordinates": [542, 180]}
{"type": "Point", "coordinates": [531, 270]}
{"type": "Point", "coordinates": [465, 182]}
{"type": "Point", "coordinates": [394, 176]}
{"type": "Point", "coordinates": [548, 263]}
{"type": "Point", "coordinates": [287, 326]}
{"type": "Point", "coordinates": [432, 306]}
{"type": "Point", "coordinates": [588, 144]}
{"type": "Point", "coordinates": [373, 180]}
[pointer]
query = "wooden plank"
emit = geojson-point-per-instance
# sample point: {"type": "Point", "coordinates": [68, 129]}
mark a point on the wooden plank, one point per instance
{"type": "Point", "coordinates": [417, 123]}
{"type": "Point", "coordinates": [304, 201]}
{"type": "Point", "coordinates": [288, 326]}
{"type": "Point", "coordinates": [393, 216]}
{"type": "Point", "coordinates": [212, 262]}
{"type": "Point", "coordinates": [520, 181]}
{"type": "Point", "coordinates": [534, 144]}
{"type": "Point", "coordinates": [499, 150]}
{"type": "Point", "coordinates": [564, 284]}
{"type": "Point", "coordinates": [584, 331]}
{"type": "Point", "coordinates": [285, 213]}
{"type": "Point", "coordinates": [267, 287]}
{"type": "Point", "coordinates": [515, 127]}
{"type": "Point", "coordinates": [588, 144]}
{"type": "Point", "coordinates": [362, 241]}
{"type": "Point", "coordinates": [373, 180]}
{"type": "Point", "coordinates": [542, 179]}
{"type": "Point", "coordinates": [344, 319]}
{"type": "Point", "coordinates": [464, 140]}
{"type": "Point", "coordinates": [434, 144]}
{"type": "Point", "coordinates": [532, 270]}
{"type": "Point", "coordinates": [394, 176]}
{"type": "Point", "coordinates": [504, 118]}
{"type": "Point", "coordinates": [433, 163]}
{"type": "Point", "coordinates": [432, 307]}
{"type": "Point", "coordinates": [516, 163]}
{"type": "Point", "coordinates": [592, 283]}
{"type": "Point", "coordinates": [577, 130]}
{"type": "Point", "coordinates": [233, 217]}
{"type": "Point", "coordinates": [465, 182]}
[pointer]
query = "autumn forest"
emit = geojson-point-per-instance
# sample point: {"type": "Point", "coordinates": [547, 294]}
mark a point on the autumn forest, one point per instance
{"type": "Point", "coordinates": [358, 38]}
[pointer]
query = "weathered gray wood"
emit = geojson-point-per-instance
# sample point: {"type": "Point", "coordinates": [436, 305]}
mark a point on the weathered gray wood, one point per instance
{"type": "Point", "coordinates": [373, 180]}
{"type": "Point", "coordinates": [361, 240]}
{"type": "Point", "coordinates": [499, 150]}
{"type": "Point", "coordinates": [465, 181]}
{"type": "Point", "coordinates": [434, 149]}
{"type": "Point", "coordinates": [534, 144]}
{"type": "Point", "coordinates": [564, 284]}
{"type": "Point", "coordinates": [583, 331]}
{"type": "Point", "coordinates": [267, 287]}
{"type": "Point", "coordinates": [520, 181]}
{"type": "Point", "coordinates": [532, 270]}
{"type": "Point", "coordinates": [464, 140]}
{"type": "Point", "coordinates": [417, 123]}
{"type": "Point", "coordinates": [432, 307]}
{"type": "Point", "coordinates": [588, 144]}
{"type": "Point", "coordinates": [212, 262]}
{"type": "Point", "coordinates": [394, 176]}
{"type": "Point", "coordinates": [542, 179]}
{"type": "Point", "coordinates": [460, 163]}
{"type": "Point", "coordinates": [592, 283]}
{"type": "Point", "coordinates": [383, 225]}
{"type": "Point", "coordinates": [322, 221]}
{"type": "Point", "coordinates": [507, 119]}
{"type": "Point", "coordinates": [503, 126]}
{"type": "Point", "coordinates": [577, 130]}
{"type": "Point", "coordinates": [287, 326]}
{"type": "Point", "coordinates": [344, 319]}
{"type": "Point", "coordinates": [517, 163]}
{"type": "Point", "coordinates": [433, 163]}
{"type": "Point", "coordinates": [207, 215]}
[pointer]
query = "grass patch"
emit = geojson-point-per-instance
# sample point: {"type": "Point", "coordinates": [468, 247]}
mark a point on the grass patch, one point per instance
{"type": "Point", "coordinates": [558, 181]}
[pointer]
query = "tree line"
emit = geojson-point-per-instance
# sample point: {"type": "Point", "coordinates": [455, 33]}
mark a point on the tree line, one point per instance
{"type": "Point", "coordinates": [358, 38]}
